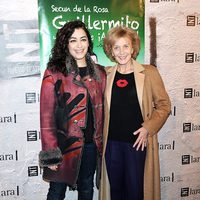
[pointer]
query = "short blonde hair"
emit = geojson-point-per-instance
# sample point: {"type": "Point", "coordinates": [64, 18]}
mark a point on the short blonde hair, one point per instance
{"type": "Point", "coordinates": [116, 33]}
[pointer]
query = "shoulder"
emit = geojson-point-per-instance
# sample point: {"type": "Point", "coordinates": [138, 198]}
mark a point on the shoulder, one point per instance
{"type": "Point", "coordinates": [101, 69]}
{"type": "Point", "coordinates": [149, 68]}
{"type": "Point", "coordinates": [51, 75]}
{"type": "Point", "coordinates": [48, 73]}
{"type": "Point", "coordinates": [152, 73]}
{"type": "Point", "coordinates": [109, 69]}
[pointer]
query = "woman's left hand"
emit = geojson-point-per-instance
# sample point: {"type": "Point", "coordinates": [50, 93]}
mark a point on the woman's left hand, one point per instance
{"type": "Point", "coordinates": [142, 138]}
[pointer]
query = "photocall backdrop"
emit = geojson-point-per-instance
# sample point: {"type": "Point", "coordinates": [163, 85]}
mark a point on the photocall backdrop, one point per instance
{"type": "Point", "coordinates": [171, 38]}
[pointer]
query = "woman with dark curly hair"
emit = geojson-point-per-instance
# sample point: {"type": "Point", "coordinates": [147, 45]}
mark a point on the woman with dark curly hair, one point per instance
{"type": "Point", "coordinates": [71, 111]}
{"type": "Point", "coordinates": [136, 107]}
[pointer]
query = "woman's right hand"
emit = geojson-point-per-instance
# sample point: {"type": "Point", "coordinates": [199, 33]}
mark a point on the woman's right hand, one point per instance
{"type": "Point", "coordinates": [53, 167]}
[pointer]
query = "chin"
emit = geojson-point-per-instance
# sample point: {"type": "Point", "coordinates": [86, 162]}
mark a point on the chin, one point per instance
{"type": "Point", "coordinates": [80, 57]}
{"type": "Point", "coordinates": [123, 63]}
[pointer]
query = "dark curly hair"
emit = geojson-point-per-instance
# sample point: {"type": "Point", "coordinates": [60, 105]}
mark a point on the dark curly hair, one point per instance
{"type": "Point", "coordinates": [60, 59]}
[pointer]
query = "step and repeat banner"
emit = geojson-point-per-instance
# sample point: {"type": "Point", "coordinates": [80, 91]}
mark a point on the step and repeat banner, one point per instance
{"type": "Point", "coordinates": [177, 26]}
{"type": "Point", "coordinates": [169, 31]}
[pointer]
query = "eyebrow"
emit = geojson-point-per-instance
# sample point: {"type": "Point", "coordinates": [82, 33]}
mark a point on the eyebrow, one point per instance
{"type": "Point", "coordinates": [76, 38]}
{"type": "Point", "coordinates": [119, 45]}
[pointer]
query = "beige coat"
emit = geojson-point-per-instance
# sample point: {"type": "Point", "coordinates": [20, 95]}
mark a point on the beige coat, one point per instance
{"type": "Point", "coordinates": [155, 106]}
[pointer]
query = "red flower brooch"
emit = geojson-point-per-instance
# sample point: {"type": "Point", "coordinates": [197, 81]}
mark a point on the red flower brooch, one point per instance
{"type": "Point", "coordinates": [122, 83]}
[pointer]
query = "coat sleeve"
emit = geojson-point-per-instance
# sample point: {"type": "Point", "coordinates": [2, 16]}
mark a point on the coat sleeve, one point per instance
{"type": "Point", "coordinates": [160, 102]}
{"type": "Point", "coordinates": [50, 154]}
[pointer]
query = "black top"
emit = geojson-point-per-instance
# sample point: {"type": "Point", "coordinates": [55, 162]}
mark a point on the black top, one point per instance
{"type": "Point", "coordinates": [125, 113]}
{"type": "Point", "coordinates": [89, 129]}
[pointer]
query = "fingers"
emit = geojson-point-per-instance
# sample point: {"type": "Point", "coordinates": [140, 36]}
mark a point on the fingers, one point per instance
{"type": "Point", "coordinates": [144, 144]}
{"type": "Point", "coordinates": [136, 132]}
{"type": "Point", "coordinates": [136, 142]}
{"type": "Point", "coordinates": [141, 141]}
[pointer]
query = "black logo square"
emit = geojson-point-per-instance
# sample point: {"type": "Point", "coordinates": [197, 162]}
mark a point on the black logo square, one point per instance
{"type": "Point", "coordinates": [185, 159]}
{"type": "Point", "coordinates": [30, 97]}
{"type": "Point", "coordinates": [191, 20]}
{"type": "Point", "coordinates": [187, 127]}
{"type": "Point", "coordinates": [185, 192]}
{"type": "Point", "coordinates": [189, 57]}
{"type": "Point", "coordinates": [33, 171]}
{"type": "Point", "coordinates": [188, 92]}
{"type": "Point", "coordinates": [32, 135]}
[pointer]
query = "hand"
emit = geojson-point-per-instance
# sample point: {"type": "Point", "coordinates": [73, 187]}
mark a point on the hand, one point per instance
{"type": "Point", "coordinates": [53, 167]}
{"type": "Point", "coordinates": [142, 138]}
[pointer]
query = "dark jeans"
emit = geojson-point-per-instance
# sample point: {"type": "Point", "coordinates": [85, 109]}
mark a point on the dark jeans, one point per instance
{"type": "Point", "coordinates": [125, 167]}
{"type": "Point", "coordinates": [85, 182]}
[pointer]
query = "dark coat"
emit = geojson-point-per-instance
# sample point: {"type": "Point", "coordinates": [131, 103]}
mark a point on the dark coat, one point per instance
{"type": "Point", "coordinates": [63, 112]}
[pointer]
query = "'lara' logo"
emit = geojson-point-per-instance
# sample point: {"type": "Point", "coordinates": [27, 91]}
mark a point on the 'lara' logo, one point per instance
{"type": "Point", "coordinates": [191, 93]}
{"type": "Point", "coordinates": [188, 127]}
{"type": "Point", "coordinates": [188, 159]}
{"type": "Point", "coordinates": [191, 57]}
{"type": "Point", "coordinates": [169, 178]}
{"type": "Point", "coordinates": [167, 146]}
{"type": "Point", "coordinates": [185, 192]}
{"type": "Point", "coordinates": [8, 119]}
{"type": "Point", "coordinates": [9, 156]}
{"type": "Point", "coordinates": [9, 192]}
{"type": "Point", "coordinates": [192, 20]}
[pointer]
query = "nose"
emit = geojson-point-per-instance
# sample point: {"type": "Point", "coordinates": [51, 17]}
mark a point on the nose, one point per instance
{"type": "Point", "coordinates": [121, 51]}
{"type": "Point", "coordinates": [79, 44]}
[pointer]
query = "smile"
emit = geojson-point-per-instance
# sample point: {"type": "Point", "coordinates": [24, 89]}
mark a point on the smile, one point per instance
{"type": "Point", "coordinates": [122, 57]}
{"type": "Point", "coordinates": [79, 51]}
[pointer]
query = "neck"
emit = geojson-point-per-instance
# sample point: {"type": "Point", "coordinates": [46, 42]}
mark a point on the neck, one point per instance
{"type": "Point", "coordinates": [81, 63]}
{"type": "Point", "coordinates": [126, 68]}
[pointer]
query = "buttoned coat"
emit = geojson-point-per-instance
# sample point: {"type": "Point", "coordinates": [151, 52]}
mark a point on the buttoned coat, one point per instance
{"type": "Point", "coordinates": [155, 106]}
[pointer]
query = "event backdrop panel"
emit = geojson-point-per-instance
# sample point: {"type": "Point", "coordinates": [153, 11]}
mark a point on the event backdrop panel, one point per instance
{"type": "Point", "coordinates": [171, 42]}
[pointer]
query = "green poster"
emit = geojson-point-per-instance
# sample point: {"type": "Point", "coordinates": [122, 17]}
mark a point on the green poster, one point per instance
{"type": "Point", "coordinates": [99, 16]}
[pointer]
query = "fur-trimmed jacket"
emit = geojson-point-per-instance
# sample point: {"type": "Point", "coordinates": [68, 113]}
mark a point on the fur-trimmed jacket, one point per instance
{"type": "Point", "coordinates": [63, 112]}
